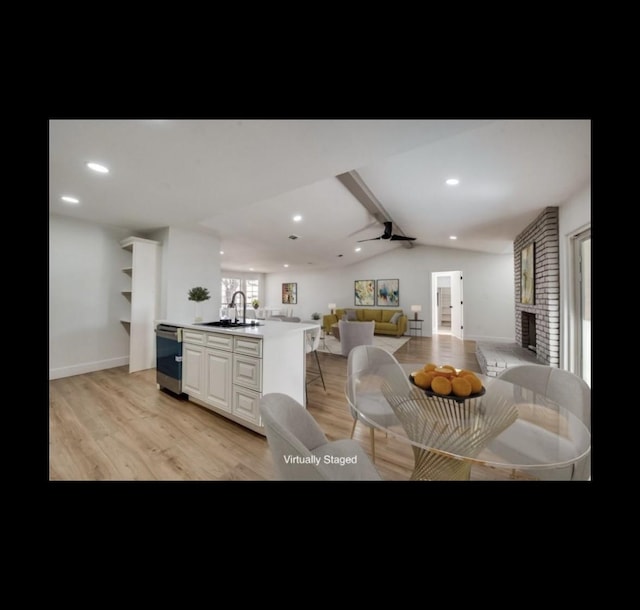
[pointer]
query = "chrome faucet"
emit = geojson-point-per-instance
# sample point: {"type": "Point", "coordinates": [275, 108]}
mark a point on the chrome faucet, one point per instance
{"type": "Point", "coordinates": [244, 304]}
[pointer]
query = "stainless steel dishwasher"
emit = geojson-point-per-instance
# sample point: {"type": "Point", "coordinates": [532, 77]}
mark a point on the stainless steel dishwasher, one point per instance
{"type": "Point", "coordinates": [169, 358]}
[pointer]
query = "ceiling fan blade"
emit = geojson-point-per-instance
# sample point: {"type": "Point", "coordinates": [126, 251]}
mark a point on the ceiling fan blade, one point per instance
{"type": "Point", "coordinates": [372, 239]}
{"type": "Point", "coordinates": [371, 224]}
{"type": "Point", "coordinates": [402, 238]}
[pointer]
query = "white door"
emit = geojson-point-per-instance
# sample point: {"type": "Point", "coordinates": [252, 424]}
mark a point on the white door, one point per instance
{"type": "Point", "coordinates": [193, 371]}
{"type": "Point", "coordinates": [457, 323]}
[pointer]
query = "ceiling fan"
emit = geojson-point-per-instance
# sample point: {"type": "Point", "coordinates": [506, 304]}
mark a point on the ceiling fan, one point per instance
{"type": "Point", "coordinates": [388, 235]}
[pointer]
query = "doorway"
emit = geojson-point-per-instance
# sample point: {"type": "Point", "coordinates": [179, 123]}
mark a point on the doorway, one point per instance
{"type": "Point", "coordinates": [447, 310]}
{"type": "Point", "coordinates": [582, 306]}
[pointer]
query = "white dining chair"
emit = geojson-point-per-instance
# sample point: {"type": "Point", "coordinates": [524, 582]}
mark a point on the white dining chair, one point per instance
{"type": "Point", "coordinates": [379, 366]}
{"type": "Point", "coordinates": [565, 389]}
{"type": "Point", "coordinates": [302, 452]}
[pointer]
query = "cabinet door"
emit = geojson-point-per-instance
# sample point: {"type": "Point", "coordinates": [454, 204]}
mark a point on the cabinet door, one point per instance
{"type": "Point", "coordinates": [219, 368]}
{"type": "Point", "coordinates": [193, 372]}
{"type": "Point", "coordinates": [246, 404]}
{"type": "Point", "coordinates": [247, 372]}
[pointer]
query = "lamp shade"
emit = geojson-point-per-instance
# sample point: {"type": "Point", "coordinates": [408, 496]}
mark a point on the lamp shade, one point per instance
{"type": "Point", "coordinates": [332, 306]}
{"type": "Point", "coordinates": [415, 309]}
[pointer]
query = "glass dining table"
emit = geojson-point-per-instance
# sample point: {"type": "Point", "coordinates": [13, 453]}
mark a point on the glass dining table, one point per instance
{"type": "Point", "coordinates": [507, 427]}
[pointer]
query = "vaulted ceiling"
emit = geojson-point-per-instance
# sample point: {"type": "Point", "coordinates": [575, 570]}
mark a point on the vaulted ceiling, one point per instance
{"type": "Point", "coordinates": [245, 180]}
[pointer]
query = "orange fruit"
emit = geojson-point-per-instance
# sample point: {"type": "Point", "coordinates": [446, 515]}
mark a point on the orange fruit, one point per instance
{"type": "Point", "coordinates": [443, 372]}
{"type": "Point", "coordinates": [476, 384]}
{"type": "Point", "coordinates": [441, 385]}
{"type": "Point", "coordinates": [461, 386]}
{"type": "Point", "coordinates": [429, 367]}
{"type": "Point", "coordinates": [422, 380]}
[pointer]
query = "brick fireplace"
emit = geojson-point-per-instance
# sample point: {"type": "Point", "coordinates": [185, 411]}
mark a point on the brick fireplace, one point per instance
{"type": "Point", "coordinates": [538, 323]}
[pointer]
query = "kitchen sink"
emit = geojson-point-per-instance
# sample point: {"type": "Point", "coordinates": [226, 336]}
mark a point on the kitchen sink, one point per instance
{"type": "Point", "coordinates": [227, 324]}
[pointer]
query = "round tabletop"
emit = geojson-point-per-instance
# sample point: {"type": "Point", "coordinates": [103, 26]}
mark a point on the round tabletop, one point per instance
{"type": "Point", "coordinates": [508, 426]}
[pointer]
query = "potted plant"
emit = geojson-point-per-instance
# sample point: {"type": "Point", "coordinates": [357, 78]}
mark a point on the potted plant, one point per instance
{"type": "Point", "coordinates": [315, 315]}
{"type": "Point", "coordinates": [255, 303]}
{"type": "Point", "coordinates": [198, 294]}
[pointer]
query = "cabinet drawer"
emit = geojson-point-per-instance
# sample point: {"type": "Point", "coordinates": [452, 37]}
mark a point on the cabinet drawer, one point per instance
{"type": "Point", "coordinates": [220, 341]}
{"type": "Point", "coordinates": [248, 345]}
{"type": "Point", "coordinates": [246, 404]}
{"type": "Point", "coordinates": [247, 372]}
{"type": "Point", "coordinates": [192, 336]}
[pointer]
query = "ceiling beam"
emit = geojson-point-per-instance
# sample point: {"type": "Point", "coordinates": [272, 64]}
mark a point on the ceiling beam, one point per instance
{"type": "Point", "coordinates": [357, 187]}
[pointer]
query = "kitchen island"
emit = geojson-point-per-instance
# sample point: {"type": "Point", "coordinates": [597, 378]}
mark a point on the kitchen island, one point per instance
{"type": "Point", "coordinates": [227, 370]}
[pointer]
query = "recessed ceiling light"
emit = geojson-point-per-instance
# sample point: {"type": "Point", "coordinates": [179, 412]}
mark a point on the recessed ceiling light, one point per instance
{"type": "Point", "coordinates": [297, 218]}
{"type": "Point", "coordinates": [452, 237]}
{"type": "Point", "coordinates": [69, 199]}
{"type": "Point", "coordinates": [285, 265]}
{"type": "Point", "coordinates": [453, 181]}
{"type": "Point", "coordinates": [358, 249]}
{"type": "Point", "coordinates": [221, 251]}
{"type": "Point", "coordinates": [250, 268]}
{"type": "Point", "coordinates": [96, 167]}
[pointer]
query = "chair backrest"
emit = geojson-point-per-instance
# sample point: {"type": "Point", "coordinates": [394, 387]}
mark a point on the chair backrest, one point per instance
{"type": "Point", "coordinates": [251, 314]}
{"type": "Point", "coordinates": [374, 362]}
{"type": "Point", "coordinates": [292, 434]}
{"type": "Point", "coordinates": [561, 386]}
{"type": "Point", "coordinates": [353, 334]}
{"type": "Point", "coordinates": [564, 388]}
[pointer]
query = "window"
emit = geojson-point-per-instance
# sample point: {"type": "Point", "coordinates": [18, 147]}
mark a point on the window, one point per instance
{"type": "Point", "coordinates": [251, 288]}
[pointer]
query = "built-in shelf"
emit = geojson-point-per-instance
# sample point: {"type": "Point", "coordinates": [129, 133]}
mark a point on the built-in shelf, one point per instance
{"type": "Point", "coordinates": [142, 296]}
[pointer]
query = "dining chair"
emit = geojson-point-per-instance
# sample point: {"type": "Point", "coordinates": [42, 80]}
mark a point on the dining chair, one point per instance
{"type": "Point", "coordinates": [312, 342]}
{"type": "Point", "coordinates": [564, 388]}
{"type": "Point", "coordinates": [353, 334]}
{"type": "Point", "coordinates": [377, 366]}
{"type": "Point", "coordinates": [302, 452]}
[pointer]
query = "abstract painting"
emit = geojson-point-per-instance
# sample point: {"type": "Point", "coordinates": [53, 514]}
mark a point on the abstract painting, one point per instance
{"type": "Point", "coordinates": [290, 293]}
{"type": "Point", "coordinates": [364, 292]}
{"type": "Point", "coordinates": [388, 293]}
{"type": "Point", "coordinates": [527, 275]}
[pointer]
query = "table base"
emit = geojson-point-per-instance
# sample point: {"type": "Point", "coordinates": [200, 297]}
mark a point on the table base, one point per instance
{"type": "Point", "coordinates": [431, 466]}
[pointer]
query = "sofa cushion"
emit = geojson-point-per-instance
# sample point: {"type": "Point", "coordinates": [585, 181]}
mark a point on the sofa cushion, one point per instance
{"type": "Point", "coordinates": [386, 327]}
{"type": "Point", "coordinates": [387, 314]}
{"type": "Point", "coordinates": [352, 315]}
{"type": "Point", "coordinates": [394, 317]}
{"type": "Point", "coordinates": [372, 314]}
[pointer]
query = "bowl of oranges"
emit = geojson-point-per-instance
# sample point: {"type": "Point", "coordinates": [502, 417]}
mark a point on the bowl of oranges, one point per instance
{"type": "Point", "coordinates": [447, 381]}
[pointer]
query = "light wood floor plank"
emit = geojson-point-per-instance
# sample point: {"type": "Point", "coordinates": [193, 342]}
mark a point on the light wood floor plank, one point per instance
{"type": "Point", "coordinates": [112, 425]}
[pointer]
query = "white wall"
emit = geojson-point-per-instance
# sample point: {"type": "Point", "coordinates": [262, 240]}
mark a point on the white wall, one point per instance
{"type": "Point", "coordinates": [574, 216]}
{"type": "Point", "coordinates": [488, 286]}
{"type": "Point", "coordinates": [85, 302]}
{"type": "Point", "coordinates": [189, 259]}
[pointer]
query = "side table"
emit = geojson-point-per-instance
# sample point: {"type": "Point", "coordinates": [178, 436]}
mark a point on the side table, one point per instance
{"type": "Point", "coordinates": [415, 326]}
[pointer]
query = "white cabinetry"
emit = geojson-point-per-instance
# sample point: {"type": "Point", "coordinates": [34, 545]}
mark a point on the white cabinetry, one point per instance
{"type": "Point", "coordinates": [193, 372]}
{"type": "Point", "coordinates": [224, 373]}
{"type": "Point", "coordinates": [141, 291]}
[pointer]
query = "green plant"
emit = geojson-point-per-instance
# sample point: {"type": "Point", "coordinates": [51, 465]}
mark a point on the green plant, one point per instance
{"type": "Point", "coordinates": [315, 315]}
{"type": "Point", "coordinates": [255, 303]}
{"type": "Point", "coordinates": [199, 294]}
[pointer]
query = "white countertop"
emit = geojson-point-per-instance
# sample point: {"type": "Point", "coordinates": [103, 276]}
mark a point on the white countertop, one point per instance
{"type": "Point", "coordinates": [267, 328]}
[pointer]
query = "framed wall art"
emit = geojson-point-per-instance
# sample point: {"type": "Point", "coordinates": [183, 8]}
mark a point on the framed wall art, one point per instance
{"type": "Point", "coordinates": [528, 275]}
{"type": "Point", "coordinates": [290, 293]}
{"type": "Point", "coordinates": [364, 292]}
{"type": "Point", "coordinates": [387, 293]}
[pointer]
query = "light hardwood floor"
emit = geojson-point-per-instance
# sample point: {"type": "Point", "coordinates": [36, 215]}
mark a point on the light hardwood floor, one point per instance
{"type": "Point", "coordinates": [112, 425]}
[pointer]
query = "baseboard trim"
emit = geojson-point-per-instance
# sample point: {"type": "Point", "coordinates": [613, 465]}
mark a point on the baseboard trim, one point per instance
{"type": "Point", "coordinates": [87, 367]}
